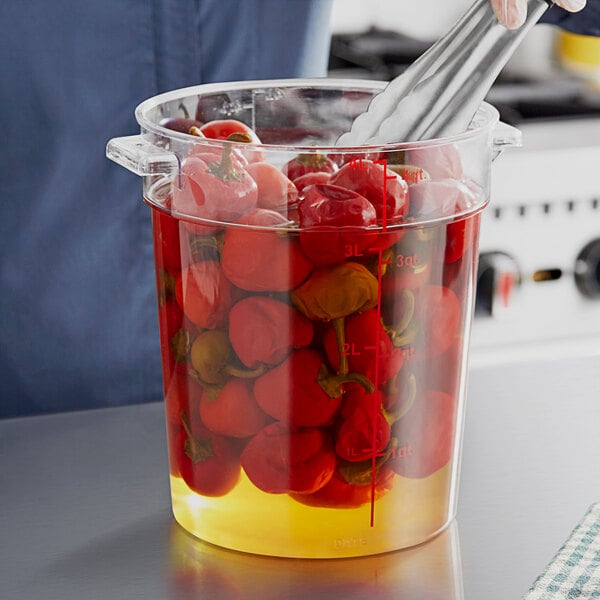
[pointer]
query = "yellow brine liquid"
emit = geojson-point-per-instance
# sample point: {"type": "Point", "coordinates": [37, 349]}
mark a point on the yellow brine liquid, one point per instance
{"type": "Point", "coordinates": [249, 520]}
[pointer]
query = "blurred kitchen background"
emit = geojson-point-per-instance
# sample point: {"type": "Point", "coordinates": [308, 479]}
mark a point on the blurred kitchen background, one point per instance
{"type": "Point", "coordinates": [539, 277]}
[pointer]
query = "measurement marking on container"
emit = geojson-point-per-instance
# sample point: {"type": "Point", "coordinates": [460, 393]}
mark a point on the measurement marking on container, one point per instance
{"type": "Point", "coordinates": [386, 178]}
{"type": "Point", "coordinates": [357, 164]}
{"type": "Point", "coordinates": [352, 349]}
{"type": "Point", "coordinates": [369, 450]}
{"type": "Point", "coordinates": [380, 270]}
{"type": "Point", "coordinates": [403, 260]}
{"type": "Point", "coordinates": [349, 349]}
{"type": "Point", "coordinates": [402, 451]}
{"type": "Point", "coordinates": [351, 250]}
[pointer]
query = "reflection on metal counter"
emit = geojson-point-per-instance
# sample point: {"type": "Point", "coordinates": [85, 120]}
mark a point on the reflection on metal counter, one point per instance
{"type": "Point", "coordinates": [431, 571]}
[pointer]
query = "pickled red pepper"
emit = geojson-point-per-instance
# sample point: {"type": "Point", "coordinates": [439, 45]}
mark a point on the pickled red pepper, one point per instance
{"type": "Point", "coordinates": [359, 436]}
{"type": "Point", "coordinates": [214, 362]}
{"type": "Point", "coordinates": [212, 467]}
{"type": "Point", "coordinates": [332, 219]}
{"type": "Point", "coordinates": [301, 391]}
{"type": "Point", "coordinates": [263, 261]}
{"type": "Point", "coordinates": [206, 180]}
{"type": "Point", "coordinates": [282, 459]}
{"type": "Point", "coordinates": [351, 486]}
{"type": "Point", "coordinates": [335, 292]}
{"type": "Point", "coordinates": [264, 330]}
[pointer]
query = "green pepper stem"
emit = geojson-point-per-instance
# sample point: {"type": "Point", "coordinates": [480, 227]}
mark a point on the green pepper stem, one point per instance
{"type": "Point", "coordinates": [180, 344]}
{"type": "Point", "coordinates": [408, 337]}
{"type": "Point", "coordinates": [361, 473]}
{"type": "Point", "coordinates": [166, 286]}
{"type": "Point", "coordinates": [241, 137]}
{"type": "Point", "coordinates": [409, 302]}
{"type": "Point", "coordinates": [340, 337]}
{"type": "Point", "coordinates": [245, 373]}
{"type": "Point", "coordinates": [206, 247]}
{"type": "Point", "coordinates": [225, 170]}
{"type": "Point", "coordinates": [392, 416]}
{"type": "Point", "coordinates": [196, 448]}
{"type": "Point", "coordinates": [332, 384]}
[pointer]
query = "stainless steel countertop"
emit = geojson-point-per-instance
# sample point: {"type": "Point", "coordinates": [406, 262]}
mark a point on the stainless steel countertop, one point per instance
{"type": "Point", "coordinates": [84, 505]}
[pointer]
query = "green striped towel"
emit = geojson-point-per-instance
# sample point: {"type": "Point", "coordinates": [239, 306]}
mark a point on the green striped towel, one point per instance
{"type": "Point", "coordinates": [574, 573]}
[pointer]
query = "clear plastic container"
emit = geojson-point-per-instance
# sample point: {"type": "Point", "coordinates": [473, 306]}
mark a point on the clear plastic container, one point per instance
{"type": "Point", "coordinates": [314, 306]}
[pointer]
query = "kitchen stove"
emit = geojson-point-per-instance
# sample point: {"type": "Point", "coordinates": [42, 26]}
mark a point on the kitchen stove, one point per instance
{"type": "Point", "coordinates": [539, 275]}
{"type": "Point", "coordinates": [538, 293]}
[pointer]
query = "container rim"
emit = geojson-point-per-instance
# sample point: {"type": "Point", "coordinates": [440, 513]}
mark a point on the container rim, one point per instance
{"type": "Point", "coordinates": [485, 119]}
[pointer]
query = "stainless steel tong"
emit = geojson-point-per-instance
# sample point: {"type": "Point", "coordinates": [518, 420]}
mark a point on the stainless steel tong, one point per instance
{"type": "Point", "coordinates": [439, 94]}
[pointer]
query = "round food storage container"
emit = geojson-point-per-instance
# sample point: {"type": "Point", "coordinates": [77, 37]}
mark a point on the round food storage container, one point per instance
{"type": "Point", "coordinates": [314, 304]}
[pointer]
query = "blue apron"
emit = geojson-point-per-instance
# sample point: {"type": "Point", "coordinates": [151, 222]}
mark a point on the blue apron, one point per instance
{"type": "Point", "coordinates": [78, 312]}
{"type": "Point", "coordinates": [585, 22]}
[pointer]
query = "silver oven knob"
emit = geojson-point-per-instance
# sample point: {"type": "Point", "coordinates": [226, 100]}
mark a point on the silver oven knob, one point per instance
{"type": "Point", "coordinates": [498, 282]}
{"type": "Point", "coordinates": [587, 270]}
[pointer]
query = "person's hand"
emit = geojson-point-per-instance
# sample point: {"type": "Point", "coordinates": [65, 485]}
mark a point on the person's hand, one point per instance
{"type": "Point", "coordinates": [512, 13]}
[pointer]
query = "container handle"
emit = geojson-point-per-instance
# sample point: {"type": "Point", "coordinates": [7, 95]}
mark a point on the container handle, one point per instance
{"type": "Point", "coordinates": [505, 136]}
{"type": "Point", "coordinates": [142, 158]}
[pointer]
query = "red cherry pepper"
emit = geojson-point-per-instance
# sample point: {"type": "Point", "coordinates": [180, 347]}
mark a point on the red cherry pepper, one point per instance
{"type": "Point", "coordinates": [444, 199]}
{"type": "Point", "coordinates": [457, 274]}
{"type": "Point", "coordinates": [280, 460]}
{"type": "Point", "coordinates": [275, 190]}
{"type": "Point", "coordinates": [427, 319]}
{"type": "Point", "coordinates": [433, 199]}
{"type": "Point", "coordinates": [311, 179]}
{"type": "Point", "coordinates": [350, 487]}
{"type": "Point", "coordinates": [204, 294]}
{"type": "Point", "coordinates": [181, 124]}
{"type": "Point", "coordinates": [371, 180]}
{"type": "Point", "coordinates": [308, 163]}
{"type": "Point", "coordinates": [438, 312]}
{"type": "Point", "coordinates": [230, 129]}
{"type": "Point", "coordinates": [214, 190]}
{"type": "Point", "coordinates": [333, 221]}
{"type": "Point", "coordinates": [363, 430]}
{"type": "Point", "coordinates": [295, 391]}
{"type": "Point", "coordinates": [441, 162]}
{"type": "Point", "coordinates": [363, 332]}
{"type": "Point", "coordinates": [208, 463]}
{"type": "Point", "coordinates": [425, 435]}
{"type": "Point", "coordinates": [460, 236]}
{"type": "Point", "coordinates": [234, 412]}
{"type": "Point", "coordinates": [442, 372]}
{"type": "Point", "coordinates": [221, 129]}
{"type": "Point", "coordinates": [264, 330]}
{"type": "Point", "coordinates": [214, 154]}
{"type": "Point", "coordinates": [263, 260]}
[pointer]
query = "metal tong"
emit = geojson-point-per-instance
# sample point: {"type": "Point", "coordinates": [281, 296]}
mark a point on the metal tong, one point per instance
{"type": "Point", "coordinates": [439, 94]}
